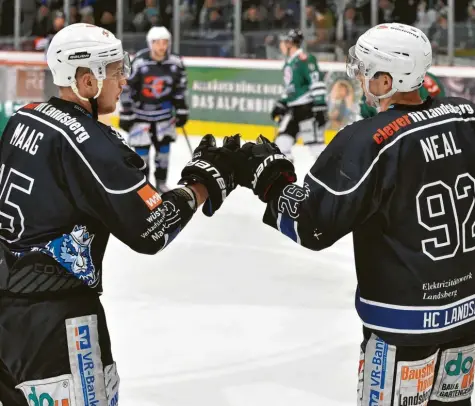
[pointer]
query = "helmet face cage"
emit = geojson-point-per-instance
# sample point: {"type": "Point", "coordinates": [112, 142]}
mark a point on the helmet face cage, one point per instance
{"type": "Point", "coordinates": [99, 69]}
{"type": "Point", "coordinates": [354, 66]}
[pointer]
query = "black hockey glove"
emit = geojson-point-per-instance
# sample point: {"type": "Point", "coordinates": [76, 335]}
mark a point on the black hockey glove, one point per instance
{"type": "Point", "coordinates": [212, 167]}
{"type": "Point", "coordinates": [181, 118]}
{"type": "Point", "coordinates": [263, 168]}
{"type": "Point", "coordinates": [320, 112]}
{"type": "Point", "coordinates": [126, 125]}
{"type": "Point", "coordinates": [280, 108]}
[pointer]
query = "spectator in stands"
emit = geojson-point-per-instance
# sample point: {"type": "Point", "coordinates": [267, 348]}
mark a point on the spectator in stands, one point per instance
{"type": "Point", "coordinates": [350, 29]}
{"type": "Point", "coordinates": [465, 32]}
{"type": "Point", "coordinates": [104, 14]}
{"type": "Point", "coordinates": [147, 18]}
{"type": "Point", "coordinates": [40, 26]}
{"type": "Point", "coordinates": [386, 8]}
{"type": "Point", "coordinates": [426, 17]}
{"type": "Point", "coordinates": [405, 11]}
{"type": "Point", "coordinates": [252, 19]}
{"type": "Point", "coordinates": [204, 13]}
{"type": "Point", "coordinates": [216, 21]}
{"type": "Point", "coordinates": [59, 22]}
{"type": "Point", "coordinates": [438, 34]}
{"type": "Point", "coordinates": [283, 18]}
{"type": "Point", "coordinates": [323, 23]}
{"type": "Point", "coordinates": [471, 24]}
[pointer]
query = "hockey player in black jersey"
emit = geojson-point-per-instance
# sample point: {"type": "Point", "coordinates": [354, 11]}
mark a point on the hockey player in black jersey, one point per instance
{"type": "Point", "coordinates": [403, 182]}
{"type": "Point", "coordinates": [67, 182]}
{"type": "Point", "coordinates": [153, 103]}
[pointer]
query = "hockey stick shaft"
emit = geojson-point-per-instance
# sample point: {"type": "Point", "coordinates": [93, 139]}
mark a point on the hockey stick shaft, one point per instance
{"type": "Point", "coordinates": [187, 140]}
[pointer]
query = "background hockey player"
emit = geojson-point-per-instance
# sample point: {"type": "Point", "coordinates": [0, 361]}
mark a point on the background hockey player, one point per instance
{"type": "Point", "coordinates": [404, 183]}
{"type": "Point", "coordinates": [154, 102]}
{"type": "Point", "coordinates": [302, 111]}
{"type": "Point", "coordinates": [432, 87]}
{"type": "Point", "coordinates": [68, 182]}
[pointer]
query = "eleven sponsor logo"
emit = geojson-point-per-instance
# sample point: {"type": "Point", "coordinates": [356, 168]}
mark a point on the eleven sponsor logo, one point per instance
{"type": "Point", "coordinates": [150, 197]}
{"type": "Point", "coordinates": [86, 364]}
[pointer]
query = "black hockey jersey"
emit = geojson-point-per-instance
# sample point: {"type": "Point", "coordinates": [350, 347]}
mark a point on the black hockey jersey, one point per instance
{"type": "Point", "coordinates": [154, 89]}
{"type": "Point", "coordinates": [66, 182]}
{"type": "Point", "coordinates": [404, 183]}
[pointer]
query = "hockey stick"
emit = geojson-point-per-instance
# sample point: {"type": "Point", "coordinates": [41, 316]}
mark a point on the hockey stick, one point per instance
{"type": "Point", "coordinates": [187, 140]}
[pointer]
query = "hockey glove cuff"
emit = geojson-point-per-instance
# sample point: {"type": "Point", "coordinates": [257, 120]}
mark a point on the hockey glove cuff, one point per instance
{"type": "Point", "coordinates": [320, 112]}
{"type": "Point", "coordinates": [212, 167]}
{"type": "Point", "coordinates": [280, 108]}
{"type": "Point", "coordinates": [263, 168]}
{"type": "Point", "coordinates": [126, 122]}
{"type": "Point", "coordinates": [181, 116]}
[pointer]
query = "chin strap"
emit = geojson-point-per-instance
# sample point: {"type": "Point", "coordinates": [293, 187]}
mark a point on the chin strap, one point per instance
{"type": "Point", "coordinates": [92, 100]}
{"type": "Point", "coordinates": [376, 99]}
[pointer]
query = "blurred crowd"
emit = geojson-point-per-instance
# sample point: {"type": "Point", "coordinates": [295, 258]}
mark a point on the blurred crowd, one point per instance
{"type": "Point", "coordinates": [331, 25]}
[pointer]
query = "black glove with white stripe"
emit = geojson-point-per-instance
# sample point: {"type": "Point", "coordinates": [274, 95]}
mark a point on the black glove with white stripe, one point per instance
{"type": "Point", "coordinates": [280, 109]}
{"type": "Point", "coordinates": [320, 112]}
{"type": "Point", "coordinates": [263, 168]}
{"type": "Point", "coordinates": [212, 166]}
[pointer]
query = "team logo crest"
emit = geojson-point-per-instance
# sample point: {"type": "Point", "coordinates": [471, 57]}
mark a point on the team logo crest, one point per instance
{"type": "Point", "coordinates": [287, 75]}
{"type": "Point", "coordinates": [73, 252]}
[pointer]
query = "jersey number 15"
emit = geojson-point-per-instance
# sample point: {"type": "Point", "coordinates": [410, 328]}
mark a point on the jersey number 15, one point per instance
{"type": "Point", "coordinates": [12, 184]}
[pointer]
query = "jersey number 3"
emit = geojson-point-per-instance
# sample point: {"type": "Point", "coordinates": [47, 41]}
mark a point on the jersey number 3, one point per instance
{"type": "Point", "coordinates": [12, 184]}
{"type": "Point", "coordinates": [437, 213]}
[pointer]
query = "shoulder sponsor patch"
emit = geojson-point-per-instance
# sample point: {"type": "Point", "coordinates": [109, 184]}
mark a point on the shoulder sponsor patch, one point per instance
{"type": "Point", "coordinates": [31, 106]}
{"type": "Point", "coordinates": [150, 197]}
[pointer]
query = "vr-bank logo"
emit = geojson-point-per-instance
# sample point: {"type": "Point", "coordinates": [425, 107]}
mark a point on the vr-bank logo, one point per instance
{"type": "Point", "coordinates": [86, 365]}
{"type": "Point", "coordinates": [83, 338]}
{"type": "Point", "coordinates": [378, 373]}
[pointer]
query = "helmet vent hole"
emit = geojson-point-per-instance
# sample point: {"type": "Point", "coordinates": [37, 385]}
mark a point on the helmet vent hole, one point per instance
{"type": "Point", "coordinates": [58, 51]}
{"type": "Point", "coordinates": [58, 60]}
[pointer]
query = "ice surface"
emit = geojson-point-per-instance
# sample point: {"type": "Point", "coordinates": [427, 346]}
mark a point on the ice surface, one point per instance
{"type": "Point", "coordinates": [233, 313]}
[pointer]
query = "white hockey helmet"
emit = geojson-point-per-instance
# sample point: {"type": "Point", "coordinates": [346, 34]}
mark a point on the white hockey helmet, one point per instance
{"type": "Point", "coordinates": [156, 33]}
{"type": "Point", "coordinates": [398, 49]}
{"type": "Point", "coordinates": [86, 46]}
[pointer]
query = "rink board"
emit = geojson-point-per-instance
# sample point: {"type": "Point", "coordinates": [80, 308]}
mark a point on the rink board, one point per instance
{"type": "Point", "coordinates": [228, 95]}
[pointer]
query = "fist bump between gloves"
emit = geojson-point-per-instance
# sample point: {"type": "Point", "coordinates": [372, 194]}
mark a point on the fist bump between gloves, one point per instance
{"type": "Point", "coordinates": [259, 166]}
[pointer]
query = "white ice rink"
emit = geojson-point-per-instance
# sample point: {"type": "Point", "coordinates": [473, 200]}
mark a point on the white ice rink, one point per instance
{"type": "Point", "coordinates": [233, 313]}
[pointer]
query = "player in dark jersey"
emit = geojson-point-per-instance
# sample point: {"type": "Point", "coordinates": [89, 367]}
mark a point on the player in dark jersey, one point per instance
{"type": "Point", "coordinates": [67, 182]}
{"type": "Point", "coordinates": [403, 182]}
{"type": "Point", "coordinates": [153, 103]}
